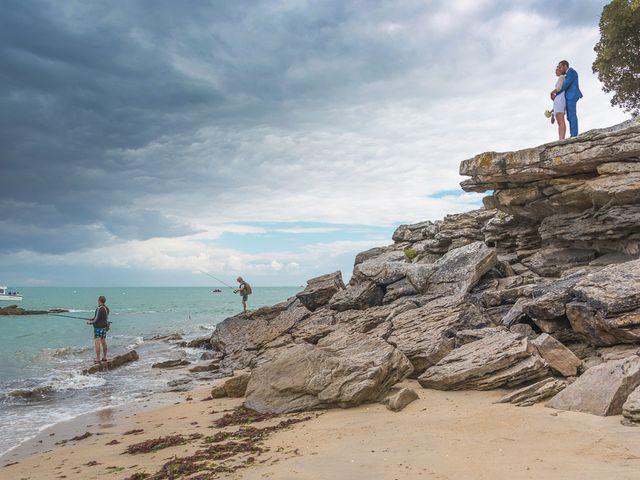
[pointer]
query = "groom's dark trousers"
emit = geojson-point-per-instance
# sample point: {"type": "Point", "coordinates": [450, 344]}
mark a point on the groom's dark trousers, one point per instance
{"type": "Point", "coordinates": [572, 116]}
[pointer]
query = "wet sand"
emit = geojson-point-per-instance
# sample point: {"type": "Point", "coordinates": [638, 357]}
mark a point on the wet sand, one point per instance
{"type": "Point", "coordinates": [443, 435]}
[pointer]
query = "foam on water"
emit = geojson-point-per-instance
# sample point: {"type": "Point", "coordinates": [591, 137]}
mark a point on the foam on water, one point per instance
{"type": "Point", "coordinates": [41, 357]}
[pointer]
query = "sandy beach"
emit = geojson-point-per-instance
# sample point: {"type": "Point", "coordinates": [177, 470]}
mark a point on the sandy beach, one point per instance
{"type": "Point", "coordinates": [443, 435]}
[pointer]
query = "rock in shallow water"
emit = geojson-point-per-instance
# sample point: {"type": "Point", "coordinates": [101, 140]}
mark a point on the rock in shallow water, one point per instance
{"type": "Point", "coordinates": [115, 362]}
{"type": "Point", "coordinates": [171, 363]}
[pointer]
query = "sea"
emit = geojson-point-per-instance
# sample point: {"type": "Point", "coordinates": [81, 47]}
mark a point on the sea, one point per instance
{"type": "Point", "coordinates": [42, 356]}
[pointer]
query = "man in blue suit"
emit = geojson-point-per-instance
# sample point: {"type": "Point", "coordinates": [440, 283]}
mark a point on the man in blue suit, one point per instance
{"type": "Point", "coordinates": [572, 93]}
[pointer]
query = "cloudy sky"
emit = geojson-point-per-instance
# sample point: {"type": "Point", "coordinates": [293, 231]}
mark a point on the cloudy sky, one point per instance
{"type": "Point", "coordinates": [142, 140]}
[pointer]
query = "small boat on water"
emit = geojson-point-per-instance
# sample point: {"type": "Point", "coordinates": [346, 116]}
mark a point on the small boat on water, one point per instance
{"type": "Point", "coordinates": [5, 294]}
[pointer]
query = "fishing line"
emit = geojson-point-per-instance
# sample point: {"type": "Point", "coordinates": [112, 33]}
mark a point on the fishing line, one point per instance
{"type": "Point", "coordinates": [215, 278]}
{"type": "Point", "coordinates": [67, 316]}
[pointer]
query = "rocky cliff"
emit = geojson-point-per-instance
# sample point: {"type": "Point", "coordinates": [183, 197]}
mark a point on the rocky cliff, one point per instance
{"type": "Point", "coordinates": [539, 290]}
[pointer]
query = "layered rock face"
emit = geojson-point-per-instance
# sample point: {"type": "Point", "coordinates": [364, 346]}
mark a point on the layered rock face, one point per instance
{"type": "Point", "coordinates": [540, 284]}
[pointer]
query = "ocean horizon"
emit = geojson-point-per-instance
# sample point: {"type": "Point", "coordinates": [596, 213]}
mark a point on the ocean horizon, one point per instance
{"type": "Point", "coordinates": [42, 356]}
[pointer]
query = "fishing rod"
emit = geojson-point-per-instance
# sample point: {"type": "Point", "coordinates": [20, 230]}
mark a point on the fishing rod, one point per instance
{"type": "Point", "coordinates": [68, 316]}
{"type": "Point", "coordinates": [217, 279]}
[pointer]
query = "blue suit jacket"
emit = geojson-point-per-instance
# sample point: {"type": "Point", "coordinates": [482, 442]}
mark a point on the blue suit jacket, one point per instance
{"type": "Point", "coordinates": [571, 86]}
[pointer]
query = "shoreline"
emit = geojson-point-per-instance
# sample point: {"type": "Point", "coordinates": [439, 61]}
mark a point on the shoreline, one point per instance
{"type": "Point", "coordinates": [447, 435]}
{"type": "Point", "coordinates": [43, 440]}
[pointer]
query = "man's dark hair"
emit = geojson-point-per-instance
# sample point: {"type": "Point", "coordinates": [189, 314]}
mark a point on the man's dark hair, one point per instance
{"type": "Point", "coordinates": [102, 299]}
{"type": "Point", "coordinates": [563, 62]}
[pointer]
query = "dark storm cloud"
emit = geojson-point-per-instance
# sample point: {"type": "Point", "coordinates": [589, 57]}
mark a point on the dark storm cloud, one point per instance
{"type": "Point", "coordinates": [101, 102]}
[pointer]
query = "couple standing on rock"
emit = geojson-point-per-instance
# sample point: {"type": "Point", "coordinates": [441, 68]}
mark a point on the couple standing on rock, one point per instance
{"type": "Point", "coordinates": [565, 98]}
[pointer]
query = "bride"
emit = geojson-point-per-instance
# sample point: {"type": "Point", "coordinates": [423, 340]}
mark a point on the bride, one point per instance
{"type": "Point", "coordinates": [560, 106]}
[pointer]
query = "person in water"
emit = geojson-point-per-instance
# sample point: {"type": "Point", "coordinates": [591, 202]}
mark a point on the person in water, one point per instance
{"type": "Point", "coordinates": [244, 289]}
{"type": "Point", "coordinates": [100, 322]}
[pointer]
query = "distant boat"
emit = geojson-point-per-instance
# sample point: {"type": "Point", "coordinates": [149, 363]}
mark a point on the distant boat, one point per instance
{"type": "Point", "coordinates": [5, 294]}
{"type": "Point", "coordinates": [217, 290]}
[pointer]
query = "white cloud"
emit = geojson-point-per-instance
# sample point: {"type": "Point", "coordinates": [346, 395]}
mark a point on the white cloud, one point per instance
{"type": "Point", "coordinates": [291, 112]}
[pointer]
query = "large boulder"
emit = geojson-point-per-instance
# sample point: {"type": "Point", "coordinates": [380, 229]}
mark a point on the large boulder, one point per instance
{"type": "Point", "coordinates": [384, 269]}
{"type": "Point", "coordinates": [342, 370]}
{"type": "Point", "coordinates": [240, 337]}
{"type": "Point", "coordinates": [428, 333]}
{"type": "Point", "coordinates": [320, 289]}
{"type": "Point", "coordinates": [547, 305]}
{"type": "Point", "coordinates": [357, 297]}
{"type": "Point", "coordinates": [615, 288]}
{"type": "Point", "coordinates": [416, 232]}
{"type": "Point", "coordinates": [601, 390]}
{"type": "Point", "coordinates": [499, 360]}
{"type": "Point", "coordinates": [459, 270]}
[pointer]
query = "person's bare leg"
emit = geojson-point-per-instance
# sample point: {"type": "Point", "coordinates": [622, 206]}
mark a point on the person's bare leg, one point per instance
{"type": "Point", "coordinates": [244, 305]}
{"type": "Point", "coordinates": [562, 126]}
{"type": "Point", "coordinates": [97, 342]}
{"type": "Point", "coordinates": [103, 341]}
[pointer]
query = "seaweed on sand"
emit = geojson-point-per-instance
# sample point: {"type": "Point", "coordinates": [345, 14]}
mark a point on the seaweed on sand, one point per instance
{"type": "Point", "coordinates": [156, 444]}
{"type": "Point", "coordinates": [159, 443]}
{"type": "Point", "coordinates": [218, 454]}
{"type": "Point", "coordinates": [242, 416]}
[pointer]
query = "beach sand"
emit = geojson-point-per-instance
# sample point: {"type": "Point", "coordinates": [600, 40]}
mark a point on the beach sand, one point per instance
{"type": "Point", "coordinates": [443, 435]}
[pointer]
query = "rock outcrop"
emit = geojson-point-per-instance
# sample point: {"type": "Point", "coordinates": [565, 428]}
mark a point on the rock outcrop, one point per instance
{"type": "Point", "coordinates": [16, 310]}
{"type": "Point", "coordinates": [543, 280]}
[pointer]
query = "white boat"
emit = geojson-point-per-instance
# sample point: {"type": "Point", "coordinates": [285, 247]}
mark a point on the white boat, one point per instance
{"type": "Point", "coordinates": [6, 295]}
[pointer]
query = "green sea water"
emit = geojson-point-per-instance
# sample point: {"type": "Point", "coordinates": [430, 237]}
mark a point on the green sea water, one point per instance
{"type": "Point", "coordinates": [43, 355]}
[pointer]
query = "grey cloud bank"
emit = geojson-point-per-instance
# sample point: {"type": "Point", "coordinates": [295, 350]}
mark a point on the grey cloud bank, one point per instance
{"type": "Point", "coordinates": [154, 126]}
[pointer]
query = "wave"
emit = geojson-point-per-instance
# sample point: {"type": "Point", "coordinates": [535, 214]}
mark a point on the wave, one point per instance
{"type": "Point", "coordinates": [54, 384]}
{"type": "Point", "coordinates": [48, 353]}
{"type": "Point", "coordinates": [78, 310]}
{"type": "Point", "coordinates": [30, 393]}
{"type": "Point", "coordinates": [136, 341]}
{"type": "Point", "coordinates": [60, 418]}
